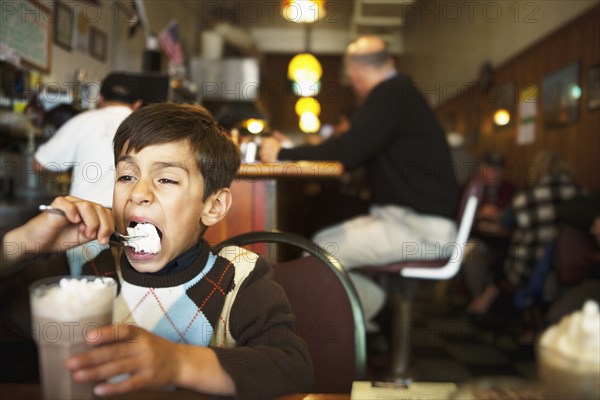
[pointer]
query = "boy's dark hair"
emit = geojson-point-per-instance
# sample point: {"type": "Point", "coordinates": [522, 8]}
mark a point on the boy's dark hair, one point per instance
{"type": "Point", "coordinates": [217, 157]}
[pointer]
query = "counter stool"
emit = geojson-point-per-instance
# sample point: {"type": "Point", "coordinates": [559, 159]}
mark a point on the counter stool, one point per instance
{"type": "Point", "coordinates": [410, 272]}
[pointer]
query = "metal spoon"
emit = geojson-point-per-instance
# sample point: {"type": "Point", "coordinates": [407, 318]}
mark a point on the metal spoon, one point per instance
{"type": "Point", "coordinates": [115, 237]}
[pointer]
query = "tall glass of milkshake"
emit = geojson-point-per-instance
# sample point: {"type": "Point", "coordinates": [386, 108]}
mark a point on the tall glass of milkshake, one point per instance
{"type": "Point", "coordinates": [569, 356]}
{"type": "Point", "coordinates": [63, 311]}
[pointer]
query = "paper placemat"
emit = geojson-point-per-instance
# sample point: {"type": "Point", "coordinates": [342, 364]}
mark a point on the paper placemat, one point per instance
{"type": "Point", "coordinates": [363, 390]}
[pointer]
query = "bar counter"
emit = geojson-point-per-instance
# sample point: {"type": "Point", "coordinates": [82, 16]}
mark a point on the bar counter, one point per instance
{"type": "Point", "coordinates": [261, 195]}
{"type": "Point", "coordinates": [283, 169]}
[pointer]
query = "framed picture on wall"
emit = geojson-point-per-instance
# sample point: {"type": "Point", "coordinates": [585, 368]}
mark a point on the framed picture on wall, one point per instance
{"type": "Point", "coordinates": [63, 25]}
{"type": "Point", "coordinates": [593, 88]}
{"type": "Point", "coordinates": [30, 38]}
{"type": "Point", "coordinates": [82, 39]}
{"type": "Point", "coordinates": [560, 97]}
{"type": "Point", "coordinates": [98, 44]}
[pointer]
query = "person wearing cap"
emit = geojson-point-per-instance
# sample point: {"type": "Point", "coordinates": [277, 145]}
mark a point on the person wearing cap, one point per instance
{"type": "Point", "coordinates": [498, 191]}
{"type": "Point", "coordinates": [397, 137]}
{"type": "Point", "coordinates": [84, 146]}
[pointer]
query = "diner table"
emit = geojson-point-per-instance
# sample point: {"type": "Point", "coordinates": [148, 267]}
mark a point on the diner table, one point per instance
{"type": "Point", "coordinates": [32, 391]}
{"type": "Point", "coordinates": [259, 195]}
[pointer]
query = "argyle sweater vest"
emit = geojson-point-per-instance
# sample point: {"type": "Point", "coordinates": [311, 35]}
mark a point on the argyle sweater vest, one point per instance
{"type": "Point", "coordinates": [190, 307]}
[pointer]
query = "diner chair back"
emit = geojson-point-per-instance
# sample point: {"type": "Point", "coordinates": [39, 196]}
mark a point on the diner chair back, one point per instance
{"type": "Point", "coordinates": [328, 314]}
{"type": "Point", "coordinates": [438, 269]}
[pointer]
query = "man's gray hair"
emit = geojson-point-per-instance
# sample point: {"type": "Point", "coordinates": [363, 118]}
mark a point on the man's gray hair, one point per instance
{"type": "Point", "coordinates": [375, 59]}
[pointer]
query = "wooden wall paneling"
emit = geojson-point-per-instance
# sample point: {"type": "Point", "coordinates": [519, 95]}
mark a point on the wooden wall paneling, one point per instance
{"type": "Point", "coordinates": [579, 142]}
{"type": "Point", "coordinates": [591, 118]}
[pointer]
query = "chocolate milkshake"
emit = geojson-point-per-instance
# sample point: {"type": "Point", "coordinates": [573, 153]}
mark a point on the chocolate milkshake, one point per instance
{"type": "Point", "coordinates": [569, 356]}
{"type": "Point", "coordinates": [63, 311]}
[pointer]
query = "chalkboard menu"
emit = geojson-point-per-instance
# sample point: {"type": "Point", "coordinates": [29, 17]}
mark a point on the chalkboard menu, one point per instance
{"type": "Point", "coordinates": [25, 28]}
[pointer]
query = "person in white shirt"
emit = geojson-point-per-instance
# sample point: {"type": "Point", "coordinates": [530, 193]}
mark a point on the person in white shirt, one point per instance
{"type": "Point", "coordinates": [84, 145]}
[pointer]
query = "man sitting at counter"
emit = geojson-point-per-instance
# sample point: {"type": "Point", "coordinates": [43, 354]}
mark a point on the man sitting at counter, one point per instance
{"type": "Point", "coordinates": [233, 328]}
{"type": "Point", "coordinates": [396, 136]}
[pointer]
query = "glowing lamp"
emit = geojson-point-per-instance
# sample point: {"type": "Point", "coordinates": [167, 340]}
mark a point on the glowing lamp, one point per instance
{"type": "Point", "coordinates": [306, 88]}
{"type": "Point", "coordinates": [308, 104]}
{"type": "Point", "coordinates": [305, 67]}
{"type": "Point", "coordinates": [501, 117]}
{"type": "Point", "coordinates": [309, 123]}
{"type": "Point", "coordinates": [254, 126]}
{"type": "Point", "coordinates": [303, 11]}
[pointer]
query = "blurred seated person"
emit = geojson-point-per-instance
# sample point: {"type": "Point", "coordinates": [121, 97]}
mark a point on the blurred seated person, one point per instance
{"type": "Point", "coordinates": [396, 136]}
{"type": "Point", "coordinates": [536, 219]}
{"type": "Point", "coordinates": [577, 257]}
{"type": "Point", "coordinates": [498, 193]}
{"type": "Point", "coordinates": [488, 245]}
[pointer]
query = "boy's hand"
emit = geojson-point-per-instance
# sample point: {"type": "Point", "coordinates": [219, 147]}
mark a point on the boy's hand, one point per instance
{"type": "Point", "coordinates": [83, 221]}
{"type": "Point", "coordinates": [149, 360]}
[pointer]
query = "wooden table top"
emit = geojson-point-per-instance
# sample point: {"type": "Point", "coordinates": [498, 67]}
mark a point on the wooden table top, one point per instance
{"type": "Point", "coordinates": [31, 391]}
{"type": "Point", "coordinates": [282, 169]}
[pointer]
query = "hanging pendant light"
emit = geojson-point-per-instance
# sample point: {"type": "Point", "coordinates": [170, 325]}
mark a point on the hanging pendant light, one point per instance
{"type": "Point", "coordinates": [305, 67]}
{"type": "Point", "coordinates": [305, 71]}
{"type": "Point", "coordinates": [309, 123]}
{"type": "Point", "coordinates": [306, 88]}
{"type": "Point", "coordinates": [307, 104]}
{"type": "Point", "coordinates": [303, 11]}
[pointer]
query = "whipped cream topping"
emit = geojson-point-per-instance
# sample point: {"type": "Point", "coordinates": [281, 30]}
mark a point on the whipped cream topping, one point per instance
{"type": "Point", "coordinates": [73, 298]}
{"type": "Point", "coordinates": [577, 335]}
{"type": "Point", "coordinates": [149, 242]}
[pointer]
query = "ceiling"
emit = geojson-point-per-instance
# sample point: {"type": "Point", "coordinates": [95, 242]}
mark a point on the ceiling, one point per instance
{"type": "Point", "coordinates": [381, 17]}
{"type": "Point", "coordinates": [438, 42]}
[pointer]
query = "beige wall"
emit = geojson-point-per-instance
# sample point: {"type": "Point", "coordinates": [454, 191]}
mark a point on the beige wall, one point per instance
{"type": "Point", "coordinates": [578, 141]}
{"type": "Point", "coordinates": [128, 53]}
{"type": "Point", "coordinates": [446, 42]}
{"type": "Point", "coordinates": [123, 53]}
{"type": "Point", "coordinates": [64, 62]}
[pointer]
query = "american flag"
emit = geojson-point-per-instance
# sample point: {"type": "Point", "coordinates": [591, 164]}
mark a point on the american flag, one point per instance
{"type": "Point", "coordinates": [169, 43]}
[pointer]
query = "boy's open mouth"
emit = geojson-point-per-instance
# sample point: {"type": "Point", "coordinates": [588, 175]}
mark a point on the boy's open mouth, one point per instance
{"type": "Point", "coordinates": [150, 237]}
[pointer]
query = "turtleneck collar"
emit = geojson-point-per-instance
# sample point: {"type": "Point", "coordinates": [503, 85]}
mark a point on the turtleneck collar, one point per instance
{"type": "Point", "coordinates": [178, 271]}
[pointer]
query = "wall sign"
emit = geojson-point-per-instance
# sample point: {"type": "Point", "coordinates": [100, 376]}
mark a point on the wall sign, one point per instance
{"type": "Point", "coordinates": [26, 30]}
{"type": "Point", "coordinates": [98, 44]}
{"type": "Point", "coordinates": [560, 97]}
{"type": "Point", "coordinates": [63, 27]}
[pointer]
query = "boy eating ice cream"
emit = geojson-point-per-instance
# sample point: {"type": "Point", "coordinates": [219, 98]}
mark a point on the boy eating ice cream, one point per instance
{"type": "Point", "coordinates": [212, 323]}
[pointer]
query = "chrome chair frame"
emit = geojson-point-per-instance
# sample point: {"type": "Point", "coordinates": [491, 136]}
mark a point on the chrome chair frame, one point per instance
{"type": "Point", "coordinates": [278, 237]}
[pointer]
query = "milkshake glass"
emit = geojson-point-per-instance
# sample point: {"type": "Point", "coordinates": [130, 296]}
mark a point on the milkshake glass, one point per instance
{"type": "Point", "coordinates": [63, 310]}
{"type": "Point", "coordinates": [569, 356]}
